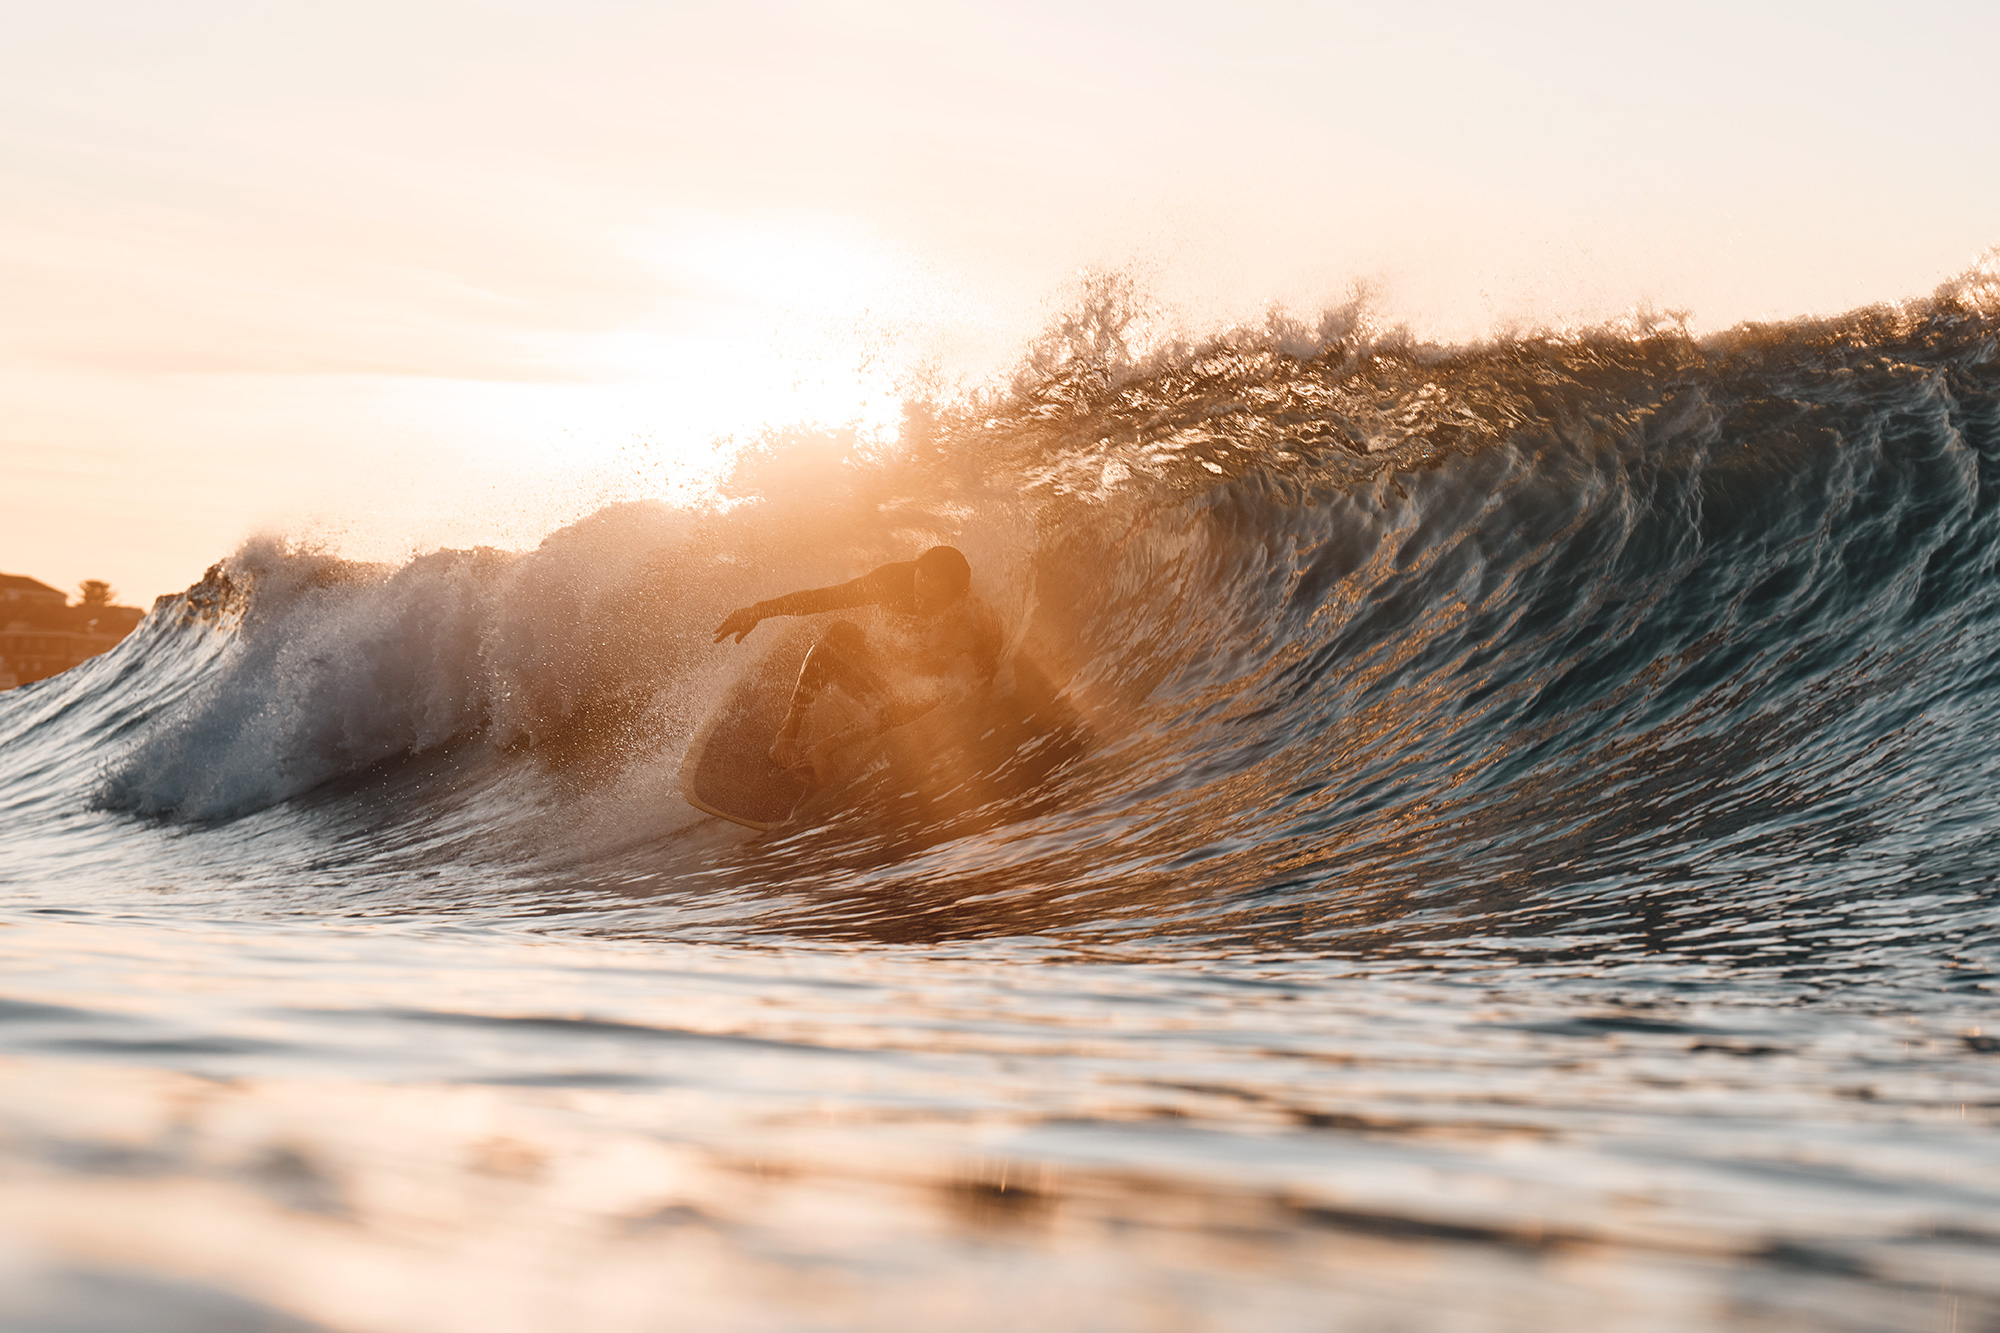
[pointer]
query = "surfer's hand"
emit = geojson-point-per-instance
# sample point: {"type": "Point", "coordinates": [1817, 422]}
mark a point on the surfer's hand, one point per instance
{"type": "Point", "coordinates": [739, 623]}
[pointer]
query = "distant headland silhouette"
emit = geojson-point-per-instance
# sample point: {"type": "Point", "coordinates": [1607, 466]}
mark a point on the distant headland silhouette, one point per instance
{"type": "Point", "coordinates": [42, 632]}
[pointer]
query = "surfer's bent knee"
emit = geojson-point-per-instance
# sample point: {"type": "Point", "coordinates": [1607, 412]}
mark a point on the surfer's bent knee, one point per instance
{"type": "Point", "coordinates": [843, 636]}
{"type": "Point", "coordinates": [824, 659]}
{"type": "Point", "coordinates": [841, 656]}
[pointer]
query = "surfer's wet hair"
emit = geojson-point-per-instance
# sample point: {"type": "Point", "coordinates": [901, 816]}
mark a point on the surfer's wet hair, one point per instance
{"type": "Point", "coordinates": [947, 565]}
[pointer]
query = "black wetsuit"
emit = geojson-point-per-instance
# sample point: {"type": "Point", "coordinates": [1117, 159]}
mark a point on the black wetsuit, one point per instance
{"type": "Point", "coordinates": [927, 657]}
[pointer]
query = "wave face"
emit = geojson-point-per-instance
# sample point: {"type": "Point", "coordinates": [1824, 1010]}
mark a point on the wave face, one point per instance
{"type": "Point", "coordinates": [1621, 633]}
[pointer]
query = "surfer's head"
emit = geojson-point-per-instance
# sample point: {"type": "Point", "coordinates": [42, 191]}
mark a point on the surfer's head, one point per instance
{"type": "Point", "coordinates": [943, 576]}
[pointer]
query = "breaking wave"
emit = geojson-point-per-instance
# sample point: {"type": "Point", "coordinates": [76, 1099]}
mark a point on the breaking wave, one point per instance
{"type": "Point", "coordinates": [1621, 634]}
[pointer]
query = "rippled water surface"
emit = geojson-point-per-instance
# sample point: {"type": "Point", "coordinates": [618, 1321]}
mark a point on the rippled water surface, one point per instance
{"type": "Point", "coordinates": [1520, 854]}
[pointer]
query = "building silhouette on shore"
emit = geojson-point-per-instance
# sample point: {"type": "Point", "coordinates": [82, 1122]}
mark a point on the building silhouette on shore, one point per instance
{"type": "Point", "coordinates": [42, 633]}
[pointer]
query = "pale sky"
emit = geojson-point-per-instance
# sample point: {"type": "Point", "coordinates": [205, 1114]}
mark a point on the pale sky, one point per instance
{"type": "Point", "coordinates": [401, 275]}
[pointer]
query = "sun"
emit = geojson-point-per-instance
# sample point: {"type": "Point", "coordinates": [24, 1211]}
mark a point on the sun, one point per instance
{"type": "Point", "coordinates": [770, 324]}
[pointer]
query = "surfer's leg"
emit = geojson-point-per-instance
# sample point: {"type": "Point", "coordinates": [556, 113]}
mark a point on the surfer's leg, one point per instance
{"type": "Point", "coordinates": [840, 658]}
{"type": "Point", "coordinates": [911, 699]}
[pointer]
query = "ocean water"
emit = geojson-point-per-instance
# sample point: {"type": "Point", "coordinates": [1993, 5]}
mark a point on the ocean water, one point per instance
{"type": "Point", "coordinates": [1523, 856]}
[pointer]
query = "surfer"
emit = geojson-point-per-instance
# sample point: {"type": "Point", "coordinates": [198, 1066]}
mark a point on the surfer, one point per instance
{"type": "Point", "coordinates": [941, 643]}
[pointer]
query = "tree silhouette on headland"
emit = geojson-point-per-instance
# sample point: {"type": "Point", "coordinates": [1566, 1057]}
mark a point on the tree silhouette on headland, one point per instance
{"type": "Point", "coordinates": [42, 634]}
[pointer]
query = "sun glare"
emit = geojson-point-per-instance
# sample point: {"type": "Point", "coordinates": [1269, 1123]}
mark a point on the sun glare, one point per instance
{"type": "Point", "coordinates": [787, 339]}
{"type": "Point", "coordinates": [769, 325]}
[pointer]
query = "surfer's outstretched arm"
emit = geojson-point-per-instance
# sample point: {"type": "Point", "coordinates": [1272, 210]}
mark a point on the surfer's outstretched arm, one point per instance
{"type": "Point", "coordinates": [872, 589]}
